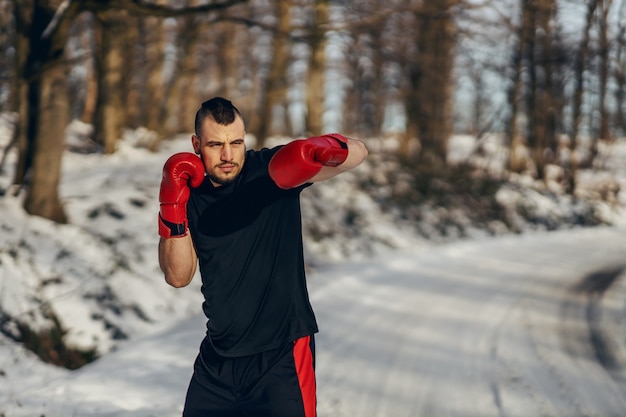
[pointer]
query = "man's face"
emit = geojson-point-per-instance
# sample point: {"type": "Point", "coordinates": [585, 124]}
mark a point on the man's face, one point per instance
{"type": "Point", "coordinates": [222, 149]}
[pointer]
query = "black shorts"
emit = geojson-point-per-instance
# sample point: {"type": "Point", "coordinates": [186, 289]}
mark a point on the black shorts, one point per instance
{"type": "Point", "coordinates": [276, 383]}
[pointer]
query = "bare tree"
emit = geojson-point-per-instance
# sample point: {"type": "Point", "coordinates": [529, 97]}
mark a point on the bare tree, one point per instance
{"type": "Point", "coordinates": [582, 57]}
{"type": "Point", "coordinates": [83, 78]}
{"type": "Point", "coordinates": [317, 64]}
{"type": "Point", "coordinates": [6, 41]}
{"type": "Point", "coordinates": [43, 105]}
{"type": "Point", "coordinates": [539, 97]}
{"type": "Point", "coordinates": [156, 78]}
{"type": "Point", "coordinates": [42, 29]}
{"type": "Point", "coordinates": [429, 77]}
{"type": "Point", "coordinates": [274, 88]}
{"type": "Point", "coordinates": [8, 73]}
{"type": "Point", "coordinates": [620, 70]}
{"type": "Point", "coordinates": [516, 160]}
{"type": "Point", "coordinates": [367, 54]}
{"type": "Point", "coordinates": [533, 90]}
{"type": "Point", "coordinates": [111, 70]}
{"type": "Point", "coordinates": [603, 69]}
{"type": "Point", "coordinates": [181, 99]}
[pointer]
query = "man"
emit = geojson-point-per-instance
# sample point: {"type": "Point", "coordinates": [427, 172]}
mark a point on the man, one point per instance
{"type": "Point", "coordinates": [237, 212]}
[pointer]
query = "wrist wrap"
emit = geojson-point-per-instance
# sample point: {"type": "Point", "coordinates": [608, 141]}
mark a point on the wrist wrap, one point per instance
{"type": "Point", "coordinates": [168, 229]}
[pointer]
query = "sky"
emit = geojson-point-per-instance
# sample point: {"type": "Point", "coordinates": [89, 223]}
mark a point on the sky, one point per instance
{"type": "Point", "coordinates": [514, 325]}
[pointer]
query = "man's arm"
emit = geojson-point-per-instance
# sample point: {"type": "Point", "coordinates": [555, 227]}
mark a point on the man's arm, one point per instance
{"type": "Point", "coordinates": [315, 159]}
{"type": "Point", "coordinates": [177, 255]}
{"type": "Point", "coordinates": [357, 152]}
{"type": "Point", "coordinates": [178, 260]}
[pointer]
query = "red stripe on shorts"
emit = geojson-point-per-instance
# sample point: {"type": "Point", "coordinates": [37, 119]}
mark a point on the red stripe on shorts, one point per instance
{"type": "Point", "coordinates": [303, 358]}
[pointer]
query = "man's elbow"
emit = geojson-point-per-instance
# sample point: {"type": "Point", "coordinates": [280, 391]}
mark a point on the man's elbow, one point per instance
{"type": "Point", "coordinates": [358, 153]}
{"type": "Point", "coordinates": [363, 152]}
{"type": "Point", "coordinates": [177, 281]}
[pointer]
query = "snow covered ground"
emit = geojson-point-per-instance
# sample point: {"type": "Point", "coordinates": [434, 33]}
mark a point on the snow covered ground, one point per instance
{"type": "Point", "coordinates": [516, 325]}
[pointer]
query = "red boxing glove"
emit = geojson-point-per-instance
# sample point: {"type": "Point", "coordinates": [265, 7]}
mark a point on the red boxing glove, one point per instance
{"type": "Point", "coordinates": [180, 171]}
{"type": "Point", "coordinates": [300, 160]}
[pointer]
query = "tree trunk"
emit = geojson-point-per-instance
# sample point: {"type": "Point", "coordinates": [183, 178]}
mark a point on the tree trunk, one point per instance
{"type": "Point", "coordinates": [275, 86]}
{"type": "Point", "coordinates": [534, 85]}
{"type": "Point", "coordinates": [514, 139]}
{"type": "Point", "coordinates": [620, 75]}
{"type": "Point", "coordinates": [111, 66]}
{"type": "Point", "coordinates": [155, 60]}
{"type": "Point", "coordinates": [429, 102]}
{"type": "Point", "coordinates": [20, 97]}
{"type": "Point", "coordinates": [368, 97]}
{"type": "Point", "coordinates": [315, 93]}
{"type": "Point", "coordinates": [182, 100]}
{"type": "Point", "coordinates": [530, 90]}
{"type": "Point", "coordinates": [46, 109]}
{"type": "Point", "coordinates": [541, 106]}
{"type": "Point", "coordinates": [579, 75]}
{"type": "Point", "coordinates": [604, 65]}
{"type": "Point", "coordinates": [82, 89]}
{"type": "Point", "coordinates": [91, 95]}
{"type": "Point", "coordinates": [6, 64]}
{"type": "Point", "coordinates": [50, 100]}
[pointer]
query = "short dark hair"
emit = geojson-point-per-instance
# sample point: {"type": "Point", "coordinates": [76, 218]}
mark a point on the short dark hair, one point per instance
{"type": "Point", "coordinates": [221, 110]}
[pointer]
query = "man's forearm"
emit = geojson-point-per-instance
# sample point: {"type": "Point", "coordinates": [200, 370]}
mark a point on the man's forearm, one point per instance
{"type": "Point", "coordinates": [177, 259]}
{"type": "Point", "coordinates": [357, 152]}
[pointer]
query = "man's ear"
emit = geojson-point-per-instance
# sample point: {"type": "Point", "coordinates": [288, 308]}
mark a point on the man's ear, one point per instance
{"type": "Point", "coordinates": [195, 142]}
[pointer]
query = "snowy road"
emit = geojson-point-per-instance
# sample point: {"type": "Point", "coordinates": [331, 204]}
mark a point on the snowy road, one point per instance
{"type": "Point", "coordinates": [521, 326]}
{"type": "Point", "coordinates": [516, 326]}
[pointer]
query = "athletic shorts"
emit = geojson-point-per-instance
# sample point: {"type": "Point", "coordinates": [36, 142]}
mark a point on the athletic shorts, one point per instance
{"type": "Point", "coordinates": [276, 383]}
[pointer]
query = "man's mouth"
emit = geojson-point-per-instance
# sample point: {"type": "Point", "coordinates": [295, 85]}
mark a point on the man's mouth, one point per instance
{"type": "Point", "coordinates": [227, 167]}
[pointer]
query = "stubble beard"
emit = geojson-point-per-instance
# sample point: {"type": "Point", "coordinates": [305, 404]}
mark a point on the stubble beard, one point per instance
{"type": "Point", "coordinates": [221, 180]}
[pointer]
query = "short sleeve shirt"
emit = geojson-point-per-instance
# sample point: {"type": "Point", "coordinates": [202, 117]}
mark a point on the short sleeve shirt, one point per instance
{"type": "Point", "coordinates": [248, 237]}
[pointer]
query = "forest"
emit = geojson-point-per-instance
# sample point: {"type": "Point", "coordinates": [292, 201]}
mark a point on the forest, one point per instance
{"type": "Point", "coordinates": [549, 76]}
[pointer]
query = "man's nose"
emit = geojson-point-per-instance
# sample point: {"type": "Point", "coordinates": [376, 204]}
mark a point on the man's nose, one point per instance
{"type": "Point", "coordinates": [227, 153]}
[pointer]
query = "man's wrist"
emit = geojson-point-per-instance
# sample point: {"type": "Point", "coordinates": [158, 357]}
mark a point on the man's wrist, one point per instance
{"type": "Point", "coordinates": [168, 229]}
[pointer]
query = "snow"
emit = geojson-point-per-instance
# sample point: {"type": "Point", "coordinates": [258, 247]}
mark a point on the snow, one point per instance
{"type": "Point", "coordinates": [522, 324]}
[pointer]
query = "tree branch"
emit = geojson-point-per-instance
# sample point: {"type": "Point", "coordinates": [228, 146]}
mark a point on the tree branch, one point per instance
{"type": "Point", "coordinates": [141, 8]}
{"type": "Point", "coordinates": [54, 23]}
{"type": "Point", "coordinates": [137, 7]}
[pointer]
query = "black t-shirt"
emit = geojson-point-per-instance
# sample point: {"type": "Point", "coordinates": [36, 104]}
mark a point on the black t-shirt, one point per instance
{"type": "Point", "coordinates": [248, 237]}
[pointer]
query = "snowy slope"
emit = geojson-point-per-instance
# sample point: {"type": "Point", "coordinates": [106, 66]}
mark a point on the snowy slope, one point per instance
{"type": "Point", "coordinates": [480, 329]}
